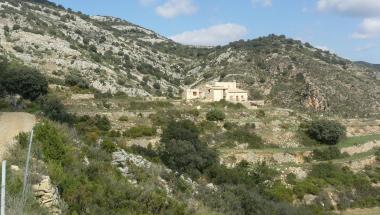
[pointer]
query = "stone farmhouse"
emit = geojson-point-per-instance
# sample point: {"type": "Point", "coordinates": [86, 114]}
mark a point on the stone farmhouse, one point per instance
{"type": "Point", "coordinates": [217, 91]}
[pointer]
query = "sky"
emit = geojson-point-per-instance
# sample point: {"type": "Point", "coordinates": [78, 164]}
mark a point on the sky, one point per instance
{"type": "Point", "coordinates": [349, 28]}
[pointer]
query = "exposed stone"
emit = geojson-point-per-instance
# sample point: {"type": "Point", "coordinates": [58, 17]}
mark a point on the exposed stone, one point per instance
{"type": "Point", "coordinates": [361, 148]}
{"type": "Point", "coordinates": [309, 199]}
{"type": "Point", "coordinates": [313, 99]}
{"type": "Point", "coordinates": [15, 168]}
{"type": "Point", "coordinates": [47, 195]}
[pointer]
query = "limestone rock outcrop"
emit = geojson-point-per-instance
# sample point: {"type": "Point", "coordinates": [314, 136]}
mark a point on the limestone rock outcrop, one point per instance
{"type": "Point", "coordinates": [47, 195]}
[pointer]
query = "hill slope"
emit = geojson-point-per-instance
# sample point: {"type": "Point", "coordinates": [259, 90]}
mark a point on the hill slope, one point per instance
{"type": "Point", "coordinates": [114, 55]}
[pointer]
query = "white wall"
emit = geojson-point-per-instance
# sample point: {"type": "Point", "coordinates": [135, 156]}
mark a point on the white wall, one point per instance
{"type": "Point", "coordinates": [217, 95]}
{"type": "Point", "coordinates": [237, 97]}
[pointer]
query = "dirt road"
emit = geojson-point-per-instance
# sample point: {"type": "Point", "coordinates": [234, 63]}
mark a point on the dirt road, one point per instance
{"type": "Point", "coordinates": [11, 124]}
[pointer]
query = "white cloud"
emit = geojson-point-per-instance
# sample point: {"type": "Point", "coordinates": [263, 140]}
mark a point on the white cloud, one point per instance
{"type": "Point", "coordinates": [368, 9]}
{"type": "Point", "coordinates": [264, 3]}
{"type": "Point", "coordinates": [215, 35]}
{"type": "Point", "coordinates": [173, 8]}
{"type": "Point", "coordinates": [369, 28]}
{"type": "Point", "coordinates": [147, 2]}
{"type": "Point", "coordinates": [362, 8]}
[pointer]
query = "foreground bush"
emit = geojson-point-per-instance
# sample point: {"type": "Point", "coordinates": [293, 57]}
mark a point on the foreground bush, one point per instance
{"type": "Point", "coordinates": [182, 151]}
{"type": "Point", "coordinates": [215, 115]}
{"type": "Point", "coordinates": [326, 131]}
{"type": "Point", "coordinates": [52, 142]}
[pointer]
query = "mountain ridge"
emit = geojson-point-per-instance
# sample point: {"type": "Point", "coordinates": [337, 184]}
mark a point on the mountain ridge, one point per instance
{"type": "Point", "coordinates": [114, 55]}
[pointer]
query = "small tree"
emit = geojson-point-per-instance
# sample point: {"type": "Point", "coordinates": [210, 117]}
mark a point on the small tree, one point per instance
{"type": "Point", "coordinates": [52, 142]}
{"type": "Point", "coordinates": [215, 115]}
{"type": "Point", "coordinates": [181, 149]}
{"type": "Point", "coordinates": [326, 131]}
{"type": "Point", "coordinates": [28, 83]}
{"type": "Point", "coordinates": [55, 110]}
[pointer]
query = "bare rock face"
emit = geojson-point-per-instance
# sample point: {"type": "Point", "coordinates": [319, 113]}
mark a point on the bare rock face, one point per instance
{"type": "Point", "coordinates": [47, 195]}
{"type": "Point", "coordinates": [309, 199]}
{"type": "Point", "coordinates": [313, 99]}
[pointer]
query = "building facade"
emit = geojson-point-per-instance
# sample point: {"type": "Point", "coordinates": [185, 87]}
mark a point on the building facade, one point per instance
{"type": "Point", "coordinates": [216, 92]}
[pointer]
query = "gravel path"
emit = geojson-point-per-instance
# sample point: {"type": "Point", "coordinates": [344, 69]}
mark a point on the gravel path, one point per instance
{"type": "Point", "coordinates": [11, 124]}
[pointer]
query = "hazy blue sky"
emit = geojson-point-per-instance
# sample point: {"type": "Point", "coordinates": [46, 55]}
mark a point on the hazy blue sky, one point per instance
{"type": "Point", "coordinates": [350, 28]}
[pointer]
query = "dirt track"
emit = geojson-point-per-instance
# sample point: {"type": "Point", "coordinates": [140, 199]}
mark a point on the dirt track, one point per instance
{"type": "Point", "coordinates": [11, 124]}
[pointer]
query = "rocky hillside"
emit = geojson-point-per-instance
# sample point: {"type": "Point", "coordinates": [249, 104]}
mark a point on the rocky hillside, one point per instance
{"type": "Point", "coordinates": [113, 55]}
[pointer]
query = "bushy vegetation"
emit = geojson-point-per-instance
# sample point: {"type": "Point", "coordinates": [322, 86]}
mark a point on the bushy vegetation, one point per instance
{"type": "Point", "coordinates": [181, 149]}
{"type": "Point", "coordinates": [146, 105]}
{"type": "Point", "coordinates": [96, 187]}
{"type": "Point", "coordinates": [225, 104]}
{"type": "Point", "coordinates": [242, 135]}
{"type": "Point", "coordinates": [74, 79]}
{"type": "Point", "coordinates": [53, 108]}
{"type": "Point", "coordinates": [21, 80]}
{"type": "Point", "coordinates": [140, 131]}
{"type": "Point", "coordinates": [326, 131]}
{"type": "Point", "coordinates": [215, 115]}
{"type": "Point", "coordinates": [329, 153]}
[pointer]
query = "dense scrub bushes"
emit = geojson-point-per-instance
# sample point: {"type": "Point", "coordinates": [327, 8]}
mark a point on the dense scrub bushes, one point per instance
{"type": "Point", "coordinates": [21, 80]}
{"type": "Point", "coordinates": [244, 136]}
{"type": "Point", "coordinates": [215, 115]}
{"type": "Point", "coordinates": [146, 105]}
{"type": "Point", "coordinates": [52, 142]}
{"type": "Point", "coordinates": [74, 79]}
{"type": "Point", "coordinates": [94, 187]}
{"type": "Point", "coordinates": [140, 131]}
{"type": "Point", "coordinates": [326, 131]}
{"type": "Point", "coordinates": [53, 108]}
{"type": "Point", "coordinates": [329, 153]}
{"type": "Point", "coordinates": [225, 104]}
{"type": "Point", "coordinates": [181, 149]}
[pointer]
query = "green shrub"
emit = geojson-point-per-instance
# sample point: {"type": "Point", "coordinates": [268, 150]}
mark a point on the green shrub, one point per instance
{"type": "Point", "coordinates": [52, 142]}
{"type": "Point", "coordinates": [243, 136]}
{"type": "Point", "coordinates": [215, 115]}
{"type": "Point", "coordinates": [329, 153]}
{"type": "Point", "coordinates": [16, 27]}
{"type": "Point", "coordinates": [229, 125]}
{"type": "Point", "coordinates": [73, 79]}
{"type": "Point", "coordinates": [53, 108]}
{"type": "Point", "coordinates": [123, 118]}
{"type": "Point", "coordinates": [279, 192]}
{"type": "Point", "coordinates": [326, 131]}
{"type": "Point", "coordinates": [148, 152]}
{"type": "Point", "coordinates": [226, 104]}
{"type": "Point", "coordinates": [108, 146]}
{"type": "Point", "coordinates": [308, 186]}
{"type": "Point", "coordinates": [146, 105]}
{"type": "Point", "coordinates": [18, 49]}
{"type": "Point", "coordinates": [260, 114]}
{"type": "Point", "coordinates": [23, 139]}
{"type": "Point", "coordinates": [103, 123]}
{"type": "Point", "coordinates": [27, 82]}
{"type": "Point", "coordinates": [140, 131]}
{"type": "Point", "coordinates": [182, 151]}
